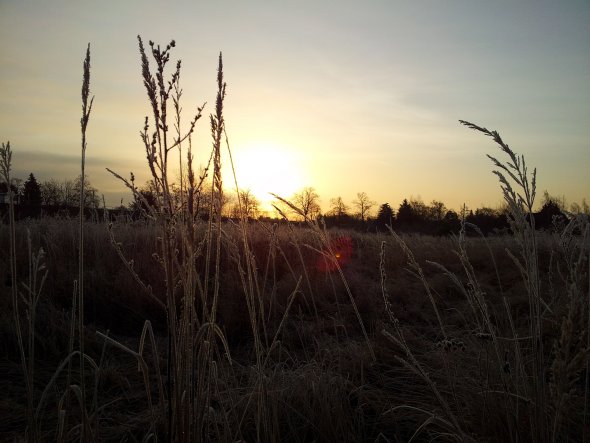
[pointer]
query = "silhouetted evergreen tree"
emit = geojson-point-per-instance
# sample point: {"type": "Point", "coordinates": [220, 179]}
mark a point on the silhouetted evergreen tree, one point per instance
{"type": "Point", "coordinates": [385, 217]}
{"type": "Point", "coordinates": [32, 192]}
{"type": "Point", "coordinates": [450, 223]}
{"type": "Point", "coordinates": [549, 216]}
{"type": "Point", "coordinates": [487, 219]}
{"type": "Point", "coordinates": [31, 197]}
{"type": "Point", "coordinates": [406, 216]}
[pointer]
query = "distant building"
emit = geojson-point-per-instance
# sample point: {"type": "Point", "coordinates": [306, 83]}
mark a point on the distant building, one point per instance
{"type": "Point", "coordinates": [4, 199]}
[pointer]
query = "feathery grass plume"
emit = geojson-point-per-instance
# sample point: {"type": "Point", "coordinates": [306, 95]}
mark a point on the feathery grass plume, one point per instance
{"type": "Point", "coordinates": [157, 146]}
{"type": "Point", "coordinates": [520, 201]}
{"type": "Point", "coordinates": [193, 333]}
{"type": "Point", "coordinates": [175, 83]}
{"type": "Point", "coordinates": [571, 350]}
{"type": "Point", "coordinates": [86, 109]}
{"type": "Point", "coordinates": [549, 384]}
{"type": "Point", "coordinates": [217, 129]}
{"type": "Point", "coordinates": [187, 190]}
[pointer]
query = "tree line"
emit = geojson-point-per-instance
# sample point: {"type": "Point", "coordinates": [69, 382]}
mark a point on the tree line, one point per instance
{"type": "Point", "coordinates": [362, 213]}
{"type": "Point", "coordinates": [31, 196]}
{"type": "Point", "coordinates": [415, 216]}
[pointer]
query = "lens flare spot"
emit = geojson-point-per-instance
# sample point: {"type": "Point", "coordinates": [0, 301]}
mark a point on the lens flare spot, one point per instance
{"type": "Point", "coordinates": [336, 255]}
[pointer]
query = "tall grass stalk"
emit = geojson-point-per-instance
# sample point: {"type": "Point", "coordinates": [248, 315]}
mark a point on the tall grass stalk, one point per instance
{"type": "Point", "coordinates": [37, 277]}
{"type": "Point", "coordinates": [86, 109]}
{"type": "Point", "coordinates": [193, 333]}
{"type": "Point", "coordinates": [533, 388]}
{"type": "Point", "coordinates": [520, 201]}
{"type": "Point", "coordinates": [251, 289]}
{"type": "Point", "coordinates": [28, 367]}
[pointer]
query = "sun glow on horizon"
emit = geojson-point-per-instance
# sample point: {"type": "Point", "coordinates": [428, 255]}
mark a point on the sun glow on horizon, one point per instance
{"type": "Point", "coordinates": [267, 167]}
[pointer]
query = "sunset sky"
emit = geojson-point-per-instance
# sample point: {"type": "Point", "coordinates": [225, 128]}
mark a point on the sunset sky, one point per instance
{"type": "Point", "coordinates": [342, 96]}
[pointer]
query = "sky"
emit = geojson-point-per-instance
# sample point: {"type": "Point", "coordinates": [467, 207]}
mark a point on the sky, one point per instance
{"type": "Point", "coordinates": [343, 96]}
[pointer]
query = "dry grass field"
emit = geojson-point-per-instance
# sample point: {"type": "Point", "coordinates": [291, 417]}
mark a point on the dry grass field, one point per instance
{"type": "Point", "coordinates": [182, 328]}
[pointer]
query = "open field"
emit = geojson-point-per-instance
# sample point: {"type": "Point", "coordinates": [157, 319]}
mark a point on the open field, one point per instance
{"type": "Point", "coordinates": [178, 327]}
{"type": "Point", "coordinates": [320, 379]}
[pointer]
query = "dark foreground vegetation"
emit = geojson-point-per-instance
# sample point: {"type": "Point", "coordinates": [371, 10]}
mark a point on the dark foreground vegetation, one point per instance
{"type": "Point", "coordinates": [177, 328]}
{"type": "Point", "coordinates": [322, 379]}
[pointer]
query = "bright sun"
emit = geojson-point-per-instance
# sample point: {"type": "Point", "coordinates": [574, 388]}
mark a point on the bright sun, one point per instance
{"type": "Point", "coordinates": [267, 167]}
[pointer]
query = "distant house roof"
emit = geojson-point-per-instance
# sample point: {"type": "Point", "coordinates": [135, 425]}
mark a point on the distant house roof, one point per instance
{"type": "Point", "coordinates": [4, 198]}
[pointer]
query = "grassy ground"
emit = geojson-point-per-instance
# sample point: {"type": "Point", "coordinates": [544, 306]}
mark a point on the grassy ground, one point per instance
{"type": "Point", "coordinates": [321, 381]}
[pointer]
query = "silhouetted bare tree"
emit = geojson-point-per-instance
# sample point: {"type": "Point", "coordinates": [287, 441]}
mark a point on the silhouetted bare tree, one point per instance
{"type": "Point", "coordinates": [363, 204]}
{"type": "Point", "coordinates": [437, 210]}
{"type": "Point", "coordinates": [51, 192]}
{"type": "Point", "coordinates": [91, 196]}
{"type": "Point", "coordinates": [337, 207]}
{"type": "Point", "coordinates": [308, 202]}
{"type": "Point", "coordinates": [67, 193]}
{"type": "Point", "coordinates": [248, 205]}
